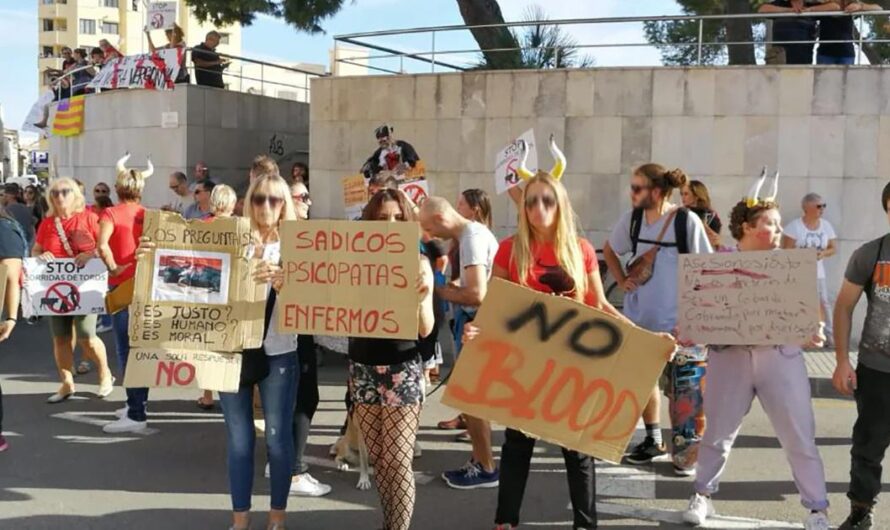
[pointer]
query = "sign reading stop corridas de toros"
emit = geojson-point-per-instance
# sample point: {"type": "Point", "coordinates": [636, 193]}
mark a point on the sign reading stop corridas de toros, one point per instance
{"type": "Point", "coordinates": [162, 15]}
{"type": "Point", "coordinates": [59, 287]}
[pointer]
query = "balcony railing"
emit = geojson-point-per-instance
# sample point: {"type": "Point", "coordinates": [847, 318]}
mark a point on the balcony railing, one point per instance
{"type": "Point", "coordinates": [388, 58]}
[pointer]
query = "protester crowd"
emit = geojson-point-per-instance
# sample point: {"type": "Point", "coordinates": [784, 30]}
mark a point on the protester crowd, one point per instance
{"type": "Point", "coordinates": [459, 254]}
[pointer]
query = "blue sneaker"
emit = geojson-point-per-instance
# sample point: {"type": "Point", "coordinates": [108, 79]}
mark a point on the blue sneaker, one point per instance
{"type": "Point", "coordinates": [448, 476]}
{"type": "Point", "coordinates": [471, 477]}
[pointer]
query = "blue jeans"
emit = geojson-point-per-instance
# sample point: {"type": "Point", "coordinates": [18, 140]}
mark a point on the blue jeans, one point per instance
{"type": "Point", "coordinates": [136, 397]}
{"type": "Point", "coordinates": [279, 394]}
{"type": "Point", "coordinates": [832, 59]}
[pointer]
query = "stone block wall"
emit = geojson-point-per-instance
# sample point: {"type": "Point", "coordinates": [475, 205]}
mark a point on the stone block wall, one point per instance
{"type": "Point", "coordinates": [224, 129]}
{"type": "Point", "coordinates": [826, 129]}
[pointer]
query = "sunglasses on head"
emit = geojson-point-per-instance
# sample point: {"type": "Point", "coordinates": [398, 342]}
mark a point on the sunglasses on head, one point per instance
{"type": "Point", "coordinates": [61, 192]}
{"type": "Point", "coordinates": [260, 199]}
{"type": "Point", "coordinates": [636, 188]}
{"type": "Point", "coordinates": [549, 201]}
{"type": "Point", "coordinates": [302, 197]}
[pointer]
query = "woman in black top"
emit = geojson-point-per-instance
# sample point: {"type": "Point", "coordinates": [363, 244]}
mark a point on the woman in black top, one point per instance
{"type": "Point", "coordinates": [386, 380]}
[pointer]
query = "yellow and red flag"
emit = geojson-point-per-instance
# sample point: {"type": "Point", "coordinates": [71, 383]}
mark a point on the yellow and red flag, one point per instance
{"type": "Point", "coordinates": [69, 117]}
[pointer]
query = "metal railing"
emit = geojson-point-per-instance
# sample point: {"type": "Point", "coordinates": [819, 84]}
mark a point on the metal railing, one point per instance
{"type": "Point", "coordinates": [242, 75]}
{"type": "Point", "coordinates": [433, 55]}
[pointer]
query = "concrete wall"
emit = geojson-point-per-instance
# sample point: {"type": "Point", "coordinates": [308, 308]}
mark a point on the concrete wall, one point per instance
{"type": "Point", "coordinates": [826, 129]}
{"type": "Point", "coordinates": [224, 129]}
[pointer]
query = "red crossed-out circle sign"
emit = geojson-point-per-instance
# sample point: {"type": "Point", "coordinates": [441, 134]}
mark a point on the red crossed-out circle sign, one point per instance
{"type": "Point", "coordinates": [62, 298]}
{"type": "Point", "coordinates": [157, 20]}
{"type": "Point", "coordinates": [415, 192]}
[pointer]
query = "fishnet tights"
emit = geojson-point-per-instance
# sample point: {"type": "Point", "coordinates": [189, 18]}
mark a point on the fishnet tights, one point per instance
{"type": "Point", "coordinates": [389, 433]}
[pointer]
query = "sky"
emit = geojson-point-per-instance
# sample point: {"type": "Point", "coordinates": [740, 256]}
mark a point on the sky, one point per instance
{"type": "Point", "coordinates": [270, 39]}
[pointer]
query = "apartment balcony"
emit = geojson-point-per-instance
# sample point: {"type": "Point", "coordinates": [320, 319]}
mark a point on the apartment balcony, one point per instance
{"type": "Point", "coordinates": [56, 38]}
{"type": "Point", "coordinates": [55, 10]}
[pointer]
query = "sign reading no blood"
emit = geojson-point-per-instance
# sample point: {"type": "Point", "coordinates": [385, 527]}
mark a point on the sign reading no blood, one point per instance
{"type": "Point", "coordinates": [558, 370]}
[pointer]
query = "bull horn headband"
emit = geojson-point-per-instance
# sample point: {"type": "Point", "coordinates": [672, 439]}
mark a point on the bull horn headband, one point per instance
{"type": "Point", "coordinates": [753, 198]}
{"type": "Point", "coordinates": [559, 165]}
{"type": "Point", "coordinates": [122, 168]}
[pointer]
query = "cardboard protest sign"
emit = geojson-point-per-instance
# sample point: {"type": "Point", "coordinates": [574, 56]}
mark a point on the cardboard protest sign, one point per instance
{"type": "Point", "coordinates": [162, 15]}
{"type": "Point", "coordinates": [156, 70]}
{"type": "Point", "coordinates": [355, 195]}
{"type": "Point", "coordinates": [750, 298]}
{"type": "Point", "coordinates": [506, 162]}
{"type": "Point", "coordinates": [349, 278]}
{"type": "Point", "coordinates": [60, 287]}
{"type": "Point", "coordinates": [195, 290]}
{"type": "Point", "coordinates": [557, 370]}
{"type": "Point", "coordinates": [183, 369]}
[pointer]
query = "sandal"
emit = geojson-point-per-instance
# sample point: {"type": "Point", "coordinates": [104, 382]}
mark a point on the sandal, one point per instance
{"type": "Point", "coordinates": [84, 367]}
{"type": "Point", "coordinates": [203, 405]}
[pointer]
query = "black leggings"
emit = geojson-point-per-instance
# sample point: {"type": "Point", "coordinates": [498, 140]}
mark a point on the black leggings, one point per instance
{"type": "Point", "coordinates": [516, 457]}
{"type": "Point", "coordinates": [307, 399]}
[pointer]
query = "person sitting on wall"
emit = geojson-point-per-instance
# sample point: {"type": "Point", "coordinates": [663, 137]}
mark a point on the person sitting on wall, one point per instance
{"type": "Point", "coordinates": [392, 155]}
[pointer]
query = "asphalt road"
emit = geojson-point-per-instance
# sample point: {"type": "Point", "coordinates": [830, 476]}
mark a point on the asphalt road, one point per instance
{"type": "Point", "coordinates": [63, 472]}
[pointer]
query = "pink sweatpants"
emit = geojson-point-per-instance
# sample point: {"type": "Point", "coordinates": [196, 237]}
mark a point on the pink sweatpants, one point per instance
{"type": "Point", "coordinates": [777, 375]}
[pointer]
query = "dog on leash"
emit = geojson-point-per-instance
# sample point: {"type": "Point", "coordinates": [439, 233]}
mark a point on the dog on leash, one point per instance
{"type": "Point", "coordinates": [350, 450]}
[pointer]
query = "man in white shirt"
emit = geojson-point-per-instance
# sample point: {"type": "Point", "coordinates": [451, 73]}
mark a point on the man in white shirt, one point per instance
{"type": "Point", "coordinates": [812, 231]}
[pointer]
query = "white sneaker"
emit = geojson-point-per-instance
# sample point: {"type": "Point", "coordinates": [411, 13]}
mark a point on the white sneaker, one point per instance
{"type": "Point", "coordinates": [305, 485]}
{"type": "Point", "coordinates": [700, 508]}
{"type": "Point", "coordinates": [103, 329]}
{"type": "Point", "coordinates": [817, 521]}
{"type": "Point", "coordinates": [120, 413]}
{"type": "Point", "coordinates": [125, 424]}
{"type": "Point", "coordinates": [267, 473]}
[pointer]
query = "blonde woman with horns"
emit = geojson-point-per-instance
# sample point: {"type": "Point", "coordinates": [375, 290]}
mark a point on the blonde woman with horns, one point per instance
{"type": "Point", "coordinates": [547, 254]}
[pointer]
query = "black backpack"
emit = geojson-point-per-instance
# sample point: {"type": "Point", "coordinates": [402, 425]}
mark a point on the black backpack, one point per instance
{"type": "Point", "coordinates": [680, 231]}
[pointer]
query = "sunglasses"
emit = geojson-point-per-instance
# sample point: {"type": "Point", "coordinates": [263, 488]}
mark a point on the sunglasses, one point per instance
{"type": "Point", "coordinates": [636, 188]}
{"type": "Point", "coordinates": [61, 192]}
{"type": "Point", "coordinates": [549, 201]}
{"type": "Point", "coordinates": [100, 191]}
{"type": "Point", "coordinates": [301, 197]}
{"type": "Point", "coordinates": [260, 199]}
{"type": "Point", "coordinates": [821, 206]}
{"type": "Point", "coordinates": [198, 191]}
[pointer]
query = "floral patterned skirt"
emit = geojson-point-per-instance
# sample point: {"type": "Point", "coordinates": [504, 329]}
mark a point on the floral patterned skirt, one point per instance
{"type": "Point", "coordinates": [395, 385]}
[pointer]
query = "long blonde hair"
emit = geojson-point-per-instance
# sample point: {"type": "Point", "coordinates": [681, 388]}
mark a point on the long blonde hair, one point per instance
{"type": "Point", "coordinates": [279, 187]}
{"type": "Point", "coordinates": [79, 201]}
{"type": "Point", "coordinates": [566, 243]}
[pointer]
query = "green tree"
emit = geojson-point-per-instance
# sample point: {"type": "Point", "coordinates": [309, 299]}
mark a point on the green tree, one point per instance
{"type": "Point", "coordinates": [548, 45]}
{"type": "Point", "coordinates": [677, 40]}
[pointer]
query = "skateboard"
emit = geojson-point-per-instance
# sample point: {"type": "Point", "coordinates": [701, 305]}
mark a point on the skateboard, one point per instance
{"type": "Point", "coordinates": [685, 394]}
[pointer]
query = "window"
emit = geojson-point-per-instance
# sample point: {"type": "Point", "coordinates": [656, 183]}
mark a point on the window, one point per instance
{"type": "Point", "coordinates": [48, 52]}
{"type": "Point", "coordinates": [88, 26]}
{"type": "Point", "coordinates": [48, 24]}
{"type": "Point", "coordinates": [110, 28]}
{"type": "Point", "coordinates": [223, 38]}
{"type": "Point", "coordinates": [135, 5]}
{"type": "Point", "coordinates": [48, 2]}
{"type": "Point", "coordinates": [110, 3]}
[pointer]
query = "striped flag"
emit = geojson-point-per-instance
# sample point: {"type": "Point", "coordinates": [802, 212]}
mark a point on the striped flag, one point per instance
{"type": "Point", "coordinates": [69, 117]}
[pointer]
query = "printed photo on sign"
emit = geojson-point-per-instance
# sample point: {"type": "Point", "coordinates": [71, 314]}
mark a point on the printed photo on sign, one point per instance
{"type": "Point", "coordinates": [188, 276]}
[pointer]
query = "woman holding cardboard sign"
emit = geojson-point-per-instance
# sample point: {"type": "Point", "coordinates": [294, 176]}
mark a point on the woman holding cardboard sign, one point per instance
{"type": "Point", "coordinates": [547, 255]}
{"type": "Point", "coordinates": [119, 231]}
{"type": "Point", "coordinates": [387, 384]}
{"type": "Point", "coordinates": [70, 231]}
{"type": "Point", "coordinates": [777, 375]}
{"type": "Point", "coordinates": [273, 368]}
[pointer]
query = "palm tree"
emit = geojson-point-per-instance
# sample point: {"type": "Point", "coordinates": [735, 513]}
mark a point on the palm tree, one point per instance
{"type": "Point", "coordinates": [544, 46]}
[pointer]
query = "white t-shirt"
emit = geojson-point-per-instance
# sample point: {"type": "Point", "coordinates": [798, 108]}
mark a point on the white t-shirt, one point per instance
{"type": "Point", "coordinates": [276, 343]}
{"type": "Point", "coordinates": [805, 238]}
{"type": "Point", "coordinates": [478, 246]}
